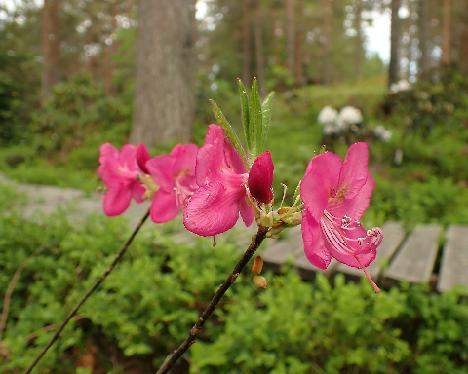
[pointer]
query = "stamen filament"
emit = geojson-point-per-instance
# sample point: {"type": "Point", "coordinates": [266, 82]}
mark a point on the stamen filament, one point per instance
{"type": "Point", "coordinates": [285, 190]}
{"type": "Point", "coordinates": [373, 284]}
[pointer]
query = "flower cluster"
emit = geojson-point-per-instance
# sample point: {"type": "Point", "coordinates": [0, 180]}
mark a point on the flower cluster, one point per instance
{"type": "Point", "coordinates": [349, 118]}
{"type": "Point", "coordinates": [210, 185]}
{"type": "Point", "coordinates": [382, 133]}
{"type": "Point", "coordinates": [215, 185]}
{"type": "Point", "coordinates": [400, 86]}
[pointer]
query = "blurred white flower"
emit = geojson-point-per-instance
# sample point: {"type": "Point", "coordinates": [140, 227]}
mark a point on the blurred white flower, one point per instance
{"type": "Point", "coordinates": [327, 116]}
{"type": "Point", "coordinates": [382, 133]}
{"type": "Point", "coordinates": [348, 118]}
{"type": "Point", "coordinates": [398, 157]}
{"type": "Point", "coordinates": [400, 86]}
{"type": "Point", "coordinates": [330, 128]}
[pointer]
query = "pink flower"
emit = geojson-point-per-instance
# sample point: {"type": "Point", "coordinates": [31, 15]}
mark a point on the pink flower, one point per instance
{"type": "Point", "coordinates": [175, 176]}
{"type": "Point", "coordinates": [142, 156]}
{"type": "Point", "coordinates": [119, 172]}
{"type": "Point", "coordinates": [215, 206]}
{"type": "Point", "coordinates": [261, 178]}
{"type": "Point", "coordinates": [335, 197]}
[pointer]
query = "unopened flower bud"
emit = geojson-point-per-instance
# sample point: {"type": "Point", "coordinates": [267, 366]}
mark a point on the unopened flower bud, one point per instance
{"type": "Point", "coordinates": [260, 281]}
{"type": "Point", "coordinates": [257, 265]}
{"type": "Point", "coordinates": [277, 229]}
{"type": "Point", "coordinates": [283, 210]}
{"type": "Point", "coordinates": [149, 184]}
{"type": "Point", "coordinates": [293, 219]}
{"type": "Point", "coordinates": [265, 219]}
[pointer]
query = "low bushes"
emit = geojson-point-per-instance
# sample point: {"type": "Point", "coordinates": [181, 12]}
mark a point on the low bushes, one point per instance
{"type": "Point", "coordinates": [151, 300]}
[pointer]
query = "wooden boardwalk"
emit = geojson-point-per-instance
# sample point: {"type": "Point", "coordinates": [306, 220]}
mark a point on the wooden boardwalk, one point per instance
{"type": "Point", "coordinates": [416, 257]}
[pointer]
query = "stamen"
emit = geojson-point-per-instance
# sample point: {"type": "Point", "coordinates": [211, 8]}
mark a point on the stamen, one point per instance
{"type": "Point", "coordinates": [296, 195]}
{"type": "Point", "coordinates": [285, 190]}
{"type": "Point", "coordinates": [339, 233]}
{"type": "Point", "coordinates": [345, 221]}
{"type": "Point", "coordinates": [373, 284]}
{"type": "Point", "coordinates": [366, 273]}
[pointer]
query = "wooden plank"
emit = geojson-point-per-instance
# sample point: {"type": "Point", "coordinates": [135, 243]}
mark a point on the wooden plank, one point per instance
{"type": "Point", "coordinates": [307, 270]}
{"type": "Point", "coordinates": [278, 252]}
{"type": "Point", "coordinates": [454, 266]}
{"type": "Point", "coordinates": [415, 260]}
{"type": "Point", "coordinates": [393, 237]}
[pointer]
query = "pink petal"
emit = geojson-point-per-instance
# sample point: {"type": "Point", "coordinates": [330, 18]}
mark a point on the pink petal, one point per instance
{"type": "Point", "coordinates": [163, 207]}
{"type": "Point", "coordinates": [161, 169]}
{"type": "Point", "coordinates": [246, 212]}
{"type": "Point", "coordinates": [106, 151]}
{"type": "Point", "coordinates": [128, 157]}
{"type": "Point", "coordinates": [233, 159]}
{"type": "Point", "coordinates": [354, 172]}
{"type": "Point", "coordinates": [314, 245]}
{"type": "Point", "coordinates": [138, 192]}
{"type": "Point", "coordinates": [186, 157]}
{"type": "Point", "coordinates": [211, 210]}
{"type": "Point", "coordinates": [210, 157]}
{"type": "Point", "coordinates": [142, 156]}
{"type": "Point", "coordinates": [355, 207]}
{"type": "Point", "coordinates": [320, 179]}
{"type": "Point", "coordinates": [108, 162]}
{"type": "Point", "coordinates": [261, 178]}
{"type": "Point", "coordinates": [116, 200]}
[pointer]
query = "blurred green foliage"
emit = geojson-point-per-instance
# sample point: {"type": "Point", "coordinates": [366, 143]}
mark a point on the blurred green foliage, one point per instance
{"type": "Point", "coordinates": [291, 327]}
{"type": "Point", "coordinates": [79, 111]}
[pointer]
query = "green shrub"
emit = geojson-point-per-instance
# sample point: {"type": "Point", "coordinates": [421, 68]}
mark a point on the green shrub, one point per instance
{"type": "Point", "coordinates": [77, 109]}
{"type": "Point", "coordinates": [152, 298]}
{"type": "Point", "coordinates": [430, 103]}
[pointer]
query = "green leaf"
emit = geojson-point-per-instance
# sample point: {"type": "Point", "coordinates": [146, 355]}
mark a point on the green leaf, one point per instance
{"type": "Point", "coordinates": [228, 130]}
{"type": "Point", "coordinates": [245, 115]}
{"type": "Point", "coordinates": [266, 119]}
{"type": "Point", "coordinates": [255, 110]}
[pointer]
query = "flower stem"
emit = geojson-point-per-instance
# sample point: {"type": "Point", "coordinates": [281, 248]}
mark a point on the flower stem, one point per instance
{"type": "Point", "coordinates": [171, 359]}
{"type": "Point", "coordinates": [88, 294]}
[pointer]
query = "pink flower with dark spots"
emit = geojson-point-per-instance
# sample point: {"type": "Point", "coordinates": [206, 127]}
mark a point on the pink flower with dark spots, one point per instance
{"type": "Point", "coordinates": [119, 172]}
{"type": "Point", "coordinates": [261, 178]}
{"type": "Point", "coordinates": [336, 194]}
{"type": "Point", "coordinates": [222, 176]}
{"type": "Point", "coordinates": [174, 174]}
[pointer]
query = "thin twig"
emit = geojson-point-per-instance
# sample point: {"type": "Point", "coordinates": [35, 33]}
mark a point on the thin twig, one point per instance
{"type": "Point", "coordinates": [220, 291]}
{"type": "Point", "coordinates": [10, 289]}
{"type": "Point", "coordinates": [7, 299]}
{"type": "Point", "coordinates": [93, 288]}
{"type": "Point", "coordinates": [47, 328]}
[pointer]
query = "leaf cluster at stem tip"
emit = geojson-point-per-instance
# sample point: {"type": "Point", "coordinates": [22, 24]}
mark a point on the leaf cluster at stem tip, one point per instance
{"type": "Point", "coordinates": [256, 121]}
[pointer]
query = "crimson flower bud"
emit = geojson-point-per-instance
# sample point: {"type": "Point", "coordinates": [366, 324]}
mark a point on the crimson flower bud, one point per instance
{"type": "Point", "coordinates": [261, 178]}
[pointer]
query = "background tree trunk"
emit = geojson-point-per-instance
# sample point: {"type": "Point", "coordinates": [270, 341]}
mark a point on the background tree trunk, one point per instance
{"type": "Point", "coordinates": [463, 44]}
{"type": "Point", "coordinates": [395, 25]}
{"type": "Point", "coordinates": [326, 40]}
{"type": "Point", "coordinates": [109, 54]}
{"type": "Point", "coordinates": [446, 32]}
{"type": "Point", "coordinates": [246, 42]}
{"type": "Point", "coordinates": [298, 72]}
{"type": "Point", "coordinates": [423, 23]}
{"type": "Point", "coordinates": [50, 46]}
{"type": "Point", "coordinates": [164, 108]}
{"type": "Point", "coordinates": [290, 34]}
{"type": "Point", "coordinates": [258, 39]}
{"type": "Point", "coordinates": [358, 48]}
